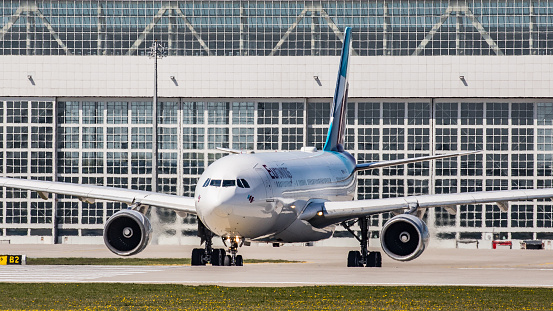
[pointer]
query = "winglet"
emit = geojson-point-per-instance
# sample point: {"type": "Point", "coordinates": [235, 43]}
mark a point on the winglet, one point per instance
{"type": "Point", "coordinates": [337, 130]}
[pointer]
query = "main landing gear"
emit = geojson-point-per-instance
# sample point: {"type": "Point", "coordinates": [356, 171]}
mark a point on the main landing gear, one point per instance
{"type": "Point", "coordinates": [217, 256]}
{"type": "Point", "coordinates": [362, 258]}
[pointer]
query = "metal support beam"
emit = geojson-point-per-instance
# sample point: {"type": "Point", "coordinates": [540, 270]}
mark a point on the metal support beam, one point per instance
{"type": "Point", "coordinates": [192, 30]}
{"type": "Point", "coordinates": [482, 31]}
{"type": "Point", "coordinates": [455, 7]}
{"type": "Point", "coordinates": [322, 13]}
{"type": "Point", "coordinates": [432, 32]}
{"type": "Point", "coordinates": [315, 34]}
{"type": "Point", "coordinates": [459, 35]}
{"type": "Point", "coordinates": [29, 10]}
{"type": "Point", "coordinates": [146, 31]}
{"type": "Point", "coordinates": [386, 33]}
{"type": "Point", "coordinates": [30, 29]}
{"type": "Point", "coordinates": [172, 36]}
{"type": "Point", "coordinates": [13, 19]}
{"type": "Point", "coordinates": [334, 28]}
{"type": "Point", "coordinates": [101, 30]}
{"type": "Point", "coordinates": [531, 29]}
{"type": "Point", "coordinates": [244, 46]}
{"type": "Point", "coordinates": [51, 30]}
{"type": "Point", "coordinates": [289, 31]}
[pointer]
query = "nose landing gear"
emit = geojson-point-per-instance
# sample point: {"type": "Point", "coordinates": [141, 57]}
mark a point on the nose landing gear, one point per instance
{"type": "Point", "coordinates": [233, 259]}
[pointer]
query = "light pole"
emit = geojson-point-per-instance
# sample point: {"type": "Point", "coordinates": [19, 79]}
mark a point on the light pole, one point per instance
{"type": "Point", "coordinates": [156, 51]}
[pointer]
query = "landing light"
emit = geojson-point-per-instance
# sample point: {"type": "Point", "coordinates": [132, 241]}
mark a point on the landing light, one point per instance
{"type": "Point", "coordinates": [320, 213]}
{"type": "Point", "coordinates": [292, 206]}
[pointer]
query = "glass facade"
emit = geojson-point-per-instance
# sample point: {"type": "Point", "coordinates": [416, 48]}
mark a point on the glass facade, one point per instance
{"type": "Point", "coordinates": [287, 28]}
{"type": "Point", "coordinates": [109, 142]}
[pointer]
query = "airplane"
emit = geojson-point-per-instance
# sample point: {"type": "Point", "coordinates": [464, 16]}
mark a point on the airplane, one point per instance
{"type": "Point", "coordinates": [282, 197]}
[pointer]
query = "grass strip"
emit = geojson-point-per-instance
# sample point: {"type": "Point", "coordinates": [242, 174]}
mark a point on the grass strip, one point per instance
{"type": "Point", "coordinates": [179, 297]}
{"type": "Point", "coordinates": [132, 261]}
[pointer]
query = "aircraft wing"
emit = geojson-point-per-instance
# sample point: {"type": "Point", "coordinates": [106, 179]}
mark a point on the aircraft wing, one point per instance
{"type": "Point", "coordinates": [90, 193]}
{"type": "Point", "coordinates": [234, 151]}
{"type": "Point", "coordinates": [334, 212]}
{"type": "Point", "coordinates": [373, 165]}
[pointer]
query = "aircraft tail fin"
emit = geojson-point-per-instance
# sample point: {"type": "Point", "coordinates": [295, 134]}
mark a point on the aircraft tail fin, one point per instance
{"type": "Point", "coordinates": [337, 129]}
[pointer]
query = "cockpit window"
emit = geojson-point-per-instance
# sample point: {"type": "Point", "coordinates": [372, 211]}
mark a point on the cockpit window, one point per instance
{"type": "Point", "coordinates": [242, 183]}
{"type": "Point", "coordinates": [229, 183]}
{"type": "Point", "coordinates": [245, 183]}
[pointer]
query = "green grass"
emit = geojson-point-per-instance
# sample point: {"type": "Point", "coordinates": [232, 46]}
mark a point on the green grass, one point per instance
{"type": "Point", "coordinates": [174, 297]}
{"type": "Point", "coordinates": [130, 261]}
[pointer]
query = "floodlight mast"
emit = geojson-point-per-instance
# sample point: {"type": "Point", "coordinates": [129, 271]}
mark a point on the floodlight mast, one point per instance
{"type": "Point", "coordinates": [156, 51]}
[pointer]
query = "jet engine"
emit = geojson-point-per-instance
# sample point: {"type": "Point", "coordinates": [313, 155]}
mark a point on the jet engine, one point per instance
{"type": "Point", "coordinates": [127, 232]}
{"type": "Point", "coordinates": [404, 237]}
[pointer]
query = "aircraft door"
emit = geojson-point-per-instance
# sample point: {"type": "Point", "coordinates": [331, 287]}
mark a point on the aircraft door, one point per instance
{"type": "Point", "coordinates": [267, 181]}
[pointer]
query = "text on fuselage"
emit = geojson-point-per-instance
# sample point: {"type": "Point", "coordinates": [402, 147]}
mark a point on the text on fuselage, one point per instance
{"type": "Point", "coordinates": [278, 172]}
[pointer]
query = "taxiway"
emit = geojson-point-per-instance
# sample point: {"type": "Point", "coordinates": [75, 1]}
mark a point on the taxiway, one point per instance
{"type": "Point", "coordinates": [320, 266]}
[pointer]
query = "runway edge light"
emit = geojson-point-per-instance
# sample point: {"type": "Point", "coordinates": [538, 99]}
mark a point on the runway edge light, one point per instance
{"type": "Point", "coordinates": [6, 260]}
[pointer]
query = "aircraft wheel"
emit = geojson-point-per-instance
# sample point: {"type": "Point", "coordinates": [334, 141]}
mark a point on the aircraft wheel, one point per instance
{"type": "Point", "coordinates": [374, 259]}
{"type": "Point", "coordinates": [227, 260]}
{"type": "Point", "coordinates": [354, 259]}
{"type": "Point", "coordinates": [197, 255]}
{"type": "Point", "coordinates": [218, 257]}
{"type": "Point", "coordinates": [239, 260]}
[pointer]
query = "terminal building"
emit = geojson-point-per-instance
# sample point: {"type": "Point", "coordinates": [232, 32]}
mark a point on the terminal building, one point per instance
{"type": "Point", "coordinates": [427, 77]}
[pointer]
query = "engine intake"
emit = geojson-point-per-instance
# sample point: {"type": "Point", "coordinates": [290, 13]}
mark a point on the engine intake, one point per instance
{"type": "Point", "coordinates": [404, 237]}
{"type": "Point", "coordinates": [127, 232]}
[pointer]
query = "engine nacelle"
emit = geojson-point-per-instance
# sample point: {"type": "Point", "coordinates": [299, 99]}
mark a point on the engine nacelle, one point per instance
{"type": "Point", "coordinates": [127, 232]}
{"type": "Point", "coordinates": [404, 237]}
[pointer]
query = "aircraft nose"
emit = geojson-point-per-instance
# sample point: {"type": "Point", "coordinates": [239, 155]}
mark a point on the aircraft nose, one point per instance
{"type": "Point", "coordinates": [218, 202]}
{"type": "Point", "coordinates": [223, 210]}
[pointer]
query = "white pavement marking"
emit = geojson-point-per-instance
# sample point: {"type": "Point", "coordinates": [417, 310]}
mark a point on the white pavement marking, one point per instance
{"type": "Point", "coordinates": [280, 284]}
{"type": "Point", "coordinates": [514, 269]}
{"type": "Point", "coordinates": [56, 274]}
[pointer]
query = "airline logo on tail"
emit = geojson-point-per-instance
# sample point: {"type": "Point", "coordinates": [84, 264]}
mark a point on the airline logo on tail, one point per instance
{"type": "Point", "coordinates": [337, 130]}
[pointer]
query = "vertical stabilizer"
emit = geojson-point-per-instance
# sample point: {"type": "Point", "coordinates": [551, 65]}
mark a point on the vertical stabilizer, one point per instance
{"type": "Point", "coordinates": [337, 130]}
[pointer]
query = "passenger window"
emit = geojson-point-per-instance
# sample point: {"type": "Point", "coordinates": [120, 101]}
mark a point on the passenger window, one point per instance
{"type": "Point", "coordinates": [206, 183]}
{"type": "Point", "coordinates": [239, 183]}
{"type": "Point", "coordinates": [229, 183]}
{"type": "Point", "coordinates": [245, 183]}
{"type": "Point", "coordinates": [215, 183]}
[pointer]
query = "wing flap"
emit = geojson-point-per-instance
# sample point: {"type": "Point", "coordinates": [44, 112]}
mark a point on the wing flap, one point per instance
{"type": "Point", "coordinates": [89, 193]}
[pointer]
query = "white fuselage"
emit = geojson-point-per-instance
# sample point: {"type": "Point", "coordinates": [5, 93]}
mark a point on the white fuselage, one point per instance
{"type": "Point", "coordinates": [278, 187]}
